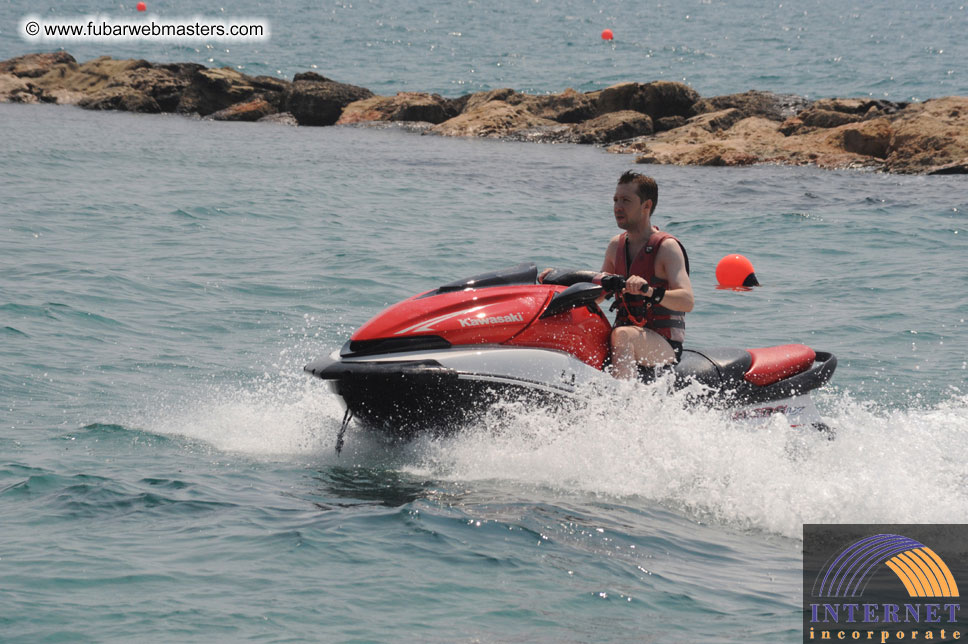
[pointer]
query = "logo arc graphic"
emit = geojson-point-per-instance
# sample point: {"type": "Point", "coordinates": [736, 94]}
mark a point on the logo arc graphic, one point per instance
{"type": "Point", "coordinates": [920, 569]}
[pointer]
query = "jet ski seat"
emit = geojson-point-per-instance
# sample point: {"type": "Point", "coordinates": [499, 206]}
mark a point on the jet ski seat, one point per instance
{"type": "Point", "coordinates": [772, 364]}
{"type": "Point", "coordinates": [760, 367]}
{"type": "Point", "coordinates": [713, 367]}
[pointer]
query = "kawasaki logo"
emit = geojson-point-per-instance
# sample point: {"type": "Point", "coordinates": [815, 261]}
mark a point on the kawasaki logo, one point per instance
{"type": "Point", "coordinates": [500, 319]}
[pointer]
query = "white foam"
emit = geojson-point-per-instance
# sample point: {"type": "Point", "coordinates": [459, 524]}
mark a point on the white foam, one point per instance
{"type": "Point", "coordinates": [283, 413]}
{"type": "Point", "coordinates": [883, 466]}
{"type": "Point", "coordinates": [629, 441]}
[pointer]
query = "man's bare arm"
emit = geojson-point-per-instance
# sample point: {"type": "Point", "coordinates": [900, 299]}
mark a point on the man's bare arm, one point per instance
{"type": "Point", "coordinates": [611, 254]}
{"type": "Point", "coordinates": [671, 266]}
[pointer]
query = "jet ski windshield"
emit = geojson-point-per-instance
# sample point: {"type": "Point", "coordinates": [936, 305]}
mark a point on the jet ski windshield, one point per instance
{"type": "Point", "coordinates": [525, 273]}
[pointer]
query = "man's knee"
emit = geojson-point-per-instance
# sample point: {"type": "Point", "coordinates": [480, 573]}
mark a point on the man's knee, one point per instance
{"type": "Point", "coordinates": [624, 335]}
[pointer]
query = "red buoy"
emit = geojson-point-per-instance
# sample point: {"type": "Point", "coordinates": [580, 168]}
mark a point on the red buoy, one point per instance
{"type": "Point", "coordinates": [607, 34]}
{"type": "Point", "coordinates": [735, 270]}
{"type": "Point", "coordinates": [142, 6]}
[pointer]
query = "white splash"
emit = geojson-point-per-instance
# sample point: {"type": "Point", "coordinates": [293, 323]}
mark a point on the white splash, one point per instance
{"type": "Point", "coordinates": [883, 466]}
{"type": "Point", "coordinates": [630, 441]}
{"type": "Point", "coordinates": [284, 413]}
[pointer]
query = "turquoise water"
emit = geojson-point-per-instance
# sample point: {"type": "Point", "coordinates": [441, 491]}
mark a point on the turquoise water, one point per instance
{"type": "Point", "coordinates": [895, 49]}
{"type": "Point", "coordinates": [167, 472]}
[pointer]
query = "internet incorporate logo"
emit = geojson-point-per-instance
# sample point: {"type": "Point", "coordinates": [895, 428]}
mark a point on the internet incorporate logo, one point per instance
{"type": "Point", "coordinates": [883, 587]}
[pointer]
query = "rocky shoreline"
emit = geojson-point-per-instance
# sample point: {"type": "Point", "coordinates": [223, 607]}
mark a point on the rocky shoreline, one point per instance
{"type": "Point", "coordinates": [660, 122]}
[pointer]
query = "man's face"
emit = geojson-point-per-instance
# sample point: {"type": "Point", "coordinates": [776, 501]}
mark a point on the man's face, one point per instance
{"type": "Point", "coordinates": [629, 210]}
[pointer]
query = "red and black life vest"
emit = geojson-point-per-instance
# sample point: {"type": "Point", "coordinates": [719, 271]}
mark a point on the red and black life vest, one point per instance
{"type": "Point", "coordinates": [666, 322]}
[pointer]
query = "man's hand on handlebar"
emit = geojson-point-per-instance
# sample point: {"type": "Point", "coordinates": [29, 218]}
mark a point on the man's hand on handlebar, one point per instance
{"type": "Point", "coordinates": [636, 285]}
{"type": "Point", "coordinates": [612, 283]}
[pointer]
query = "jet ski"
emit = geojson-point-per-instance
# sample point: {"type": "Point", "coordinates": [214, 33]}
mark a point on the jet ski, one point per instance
{"type": "Point", "coordinates": [438, 359]}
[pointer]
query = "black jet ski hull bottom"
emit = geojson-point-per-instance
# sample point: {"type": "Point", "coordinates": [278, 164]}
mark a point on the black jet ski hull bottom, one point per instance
{"type": "Point", "coordinates": [435, 403]}
{"type": "Point", "coordinates": [403, 397]}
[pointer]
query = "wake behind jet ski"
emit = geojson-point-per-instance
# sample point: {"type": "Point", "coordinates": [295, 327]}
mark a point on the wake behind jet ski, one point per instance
{"type": "Point", "coordinates": [439, 358]}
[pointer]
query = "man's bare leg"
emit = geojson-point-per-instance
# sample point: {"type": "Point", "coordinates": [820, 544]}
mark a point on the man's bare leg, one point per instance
{"type": "Point", "coordinates": [633, 346]}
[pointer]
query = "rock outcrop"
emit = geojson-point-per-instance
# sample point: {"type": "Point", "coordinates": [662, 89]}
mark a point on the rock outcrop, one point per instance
{"type": "Point", "coordinates": [660, 122]}
{"type": "Point", "coordinates": [929, 137]}
{"type": "Point", "coordinates": [404, 107]}
{"type": "Point", "coordinates": [319, 101]}
{"type": "Point", "coordinates": [493, 119]}
{"type": "Point", "coordinates": [210, 90]}
{"type": "Point", "coordinates": [613, 126]}
{"type": "Point", "coordinates": [658, 99]}
{"type": "Point", "coordinates": [254, 110]}
{"type": "Point", "coordinates": [35, 65]}
{"type": "Point", "coordinates": [775, 107]}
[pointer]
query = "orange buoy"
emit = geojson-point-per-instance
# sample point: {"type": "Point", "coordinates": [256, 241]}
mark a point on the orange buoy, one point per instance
{"type": "Point", "coordinates": [735, 270]}
{"type": "Point", "coordinates": [607, 34]}
{"type": "Point", "coordinates": [142, 6]}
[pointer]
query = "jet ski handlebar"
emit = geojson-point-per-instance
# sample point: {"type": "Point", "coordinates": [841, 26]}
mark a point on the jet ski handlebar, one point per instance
{"type": "Point", "coordinates": [611, 284]}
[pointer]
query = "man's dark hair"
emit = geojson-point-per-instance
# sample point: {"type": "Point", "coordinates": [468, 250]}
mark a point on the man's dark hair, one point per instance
{"type": "Point", "coordinates": [645, 187]}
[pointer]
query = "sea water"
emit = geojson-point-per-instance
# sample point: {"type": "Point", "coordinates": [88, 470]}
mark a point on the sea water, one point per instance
{"type": "Point", "coordinates": [168, 473]}
{"type": "Point", "coordinates": [893, 49]}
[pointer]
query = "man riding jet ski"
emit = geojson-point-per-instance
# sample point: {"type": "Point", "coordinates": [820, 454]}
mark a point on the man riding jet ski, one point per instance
{"type": "Point", "coordinates": [439, 356]}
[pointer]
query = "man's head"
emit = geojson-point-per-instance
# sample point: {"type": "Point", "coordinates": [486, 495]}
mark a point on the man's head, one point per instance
{"type": "Point", "coordinates": [645, 187]}
{"type": "Point", "coordinates": [634, 201]}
